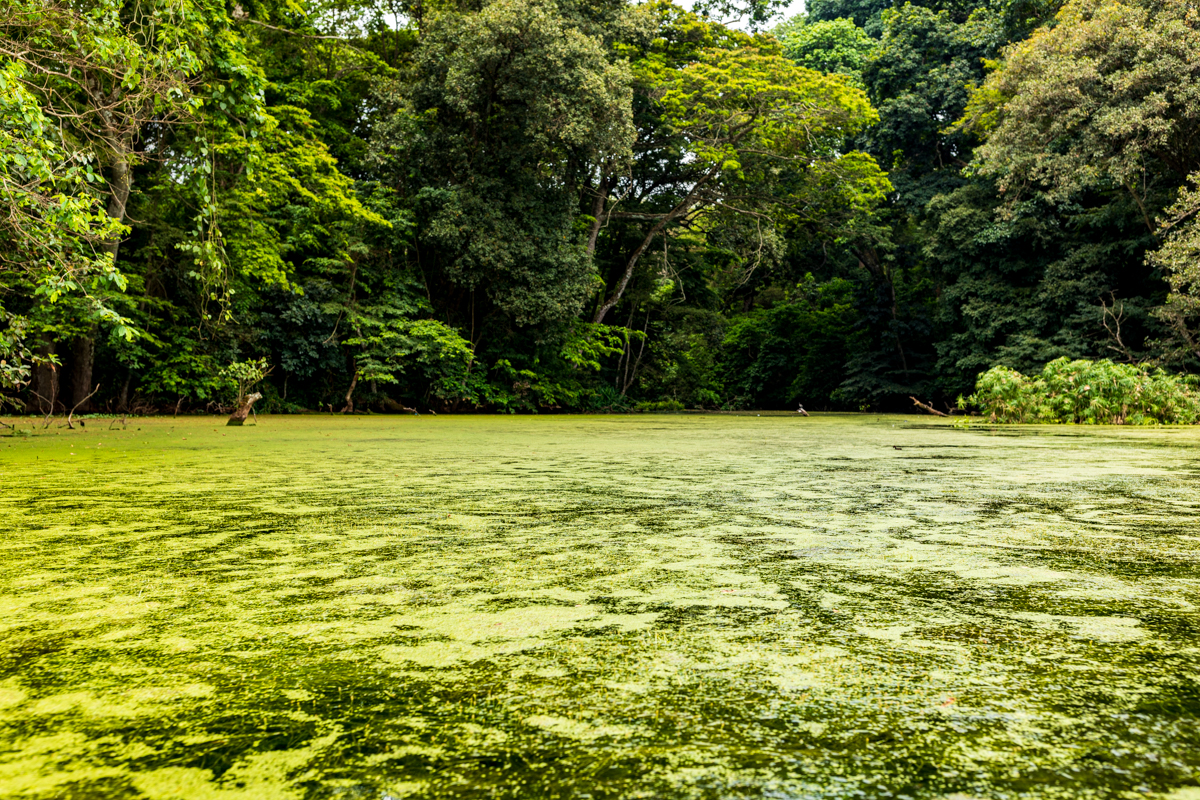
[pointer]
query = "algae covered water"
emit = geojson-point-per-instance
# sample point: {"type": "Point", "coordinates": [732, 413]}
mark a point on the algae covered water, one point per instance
{"type": "Point", "coordinates": [599, 607]}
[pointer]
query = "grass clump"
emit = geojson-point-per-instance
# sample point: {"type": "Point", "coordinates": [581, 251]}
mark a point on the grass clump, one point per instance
{"type": "Point", "coordinates": [1089, 393]}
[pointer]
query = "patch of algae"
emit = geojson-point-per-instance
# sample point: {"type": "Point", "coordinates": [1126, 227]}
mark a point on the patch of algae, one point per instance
{"type": "Point", "coordinates": [599, 607]}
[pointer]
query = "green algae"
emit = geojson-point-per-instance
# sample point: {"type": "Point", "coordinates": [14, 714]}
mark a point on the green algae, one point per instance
{"type": "Point", "coordinates": [599, 607]}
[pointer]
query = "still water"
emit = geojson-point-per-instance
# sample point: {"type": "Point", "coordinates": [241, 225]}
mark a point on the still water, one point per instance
{"type": "Point", "coordinates": [599, 607]}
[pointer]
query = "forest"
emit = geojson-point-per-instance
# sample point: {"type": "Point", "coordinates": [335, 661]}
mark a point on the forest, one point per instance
{"type": "Point", "coordinates": [589, 205]}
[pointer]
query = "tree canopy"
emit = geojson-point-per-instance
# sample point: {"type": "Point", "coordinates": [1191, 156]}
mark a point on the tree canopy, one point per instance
{"type": "Point", "coordinates": [523, 205]}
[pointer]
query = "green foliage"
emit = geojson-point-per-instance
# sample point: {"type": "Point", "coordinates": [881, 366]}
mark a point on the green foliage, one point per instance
{"type": "Point", "coordinates": [863, 13]}
{"type": "Point", "coordinates": [1024, 289]}
{"type": "Point", "coordinates": [793, 352]}
{"type": "Point", "coordinates": [183, 368]}
{"type": "Point", "coordinates": [919, 77]}
{"type": "Point", "coordinates": [495, 126]}
{"type": "Point", "coordinates": [1088, 392]}
{"type": "Point", "coordinates": [390, 345]}
{"type": "Point", "coordinates": [836, 45]}
{"type": "Point", "coordinates": [53, 227]}
{"type": "Point", "coordinates": [292, 200]}
{"type": "Point", "coordinates": [1179, 260]}
{"type": "Point", "coordinates": [1088, 127]}
{"type": "Point", "coordinates": [588, 344]}
{"type": "Point", "coordinates": [1113, 86]}
{"type": "Point", "coordinates": [524, 205]}
{"type": "Point", "coordinates": [729, 102]}
{"type": "Point", "coordinates": [15, 357]}
{"type": "Point", "coordinates": [242, 376]}
{"type": "Point", "coordinates": [739, 142]}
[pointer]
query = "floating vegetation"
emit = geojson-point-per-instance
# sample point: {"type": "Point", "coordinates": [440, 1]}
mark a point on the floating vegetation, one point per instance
{"type": "Point", "coordinates": [603, 607]}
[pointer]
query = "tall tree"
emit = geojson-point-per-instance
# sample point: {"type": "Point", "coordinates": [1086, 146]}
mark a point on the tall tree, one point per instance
{"type": "Point", "coordinates": [737, 129]}
{"type": "Point", "coordinates": [103, 70]}
{"type": "Point", "coordinates": [53, 227]}
{"type": "Point", "coordinates": [497, 129]}
{"type": "Point", "coordinates": [1107, 101]}
{"type": "Point", "coordinates": [836, 45]}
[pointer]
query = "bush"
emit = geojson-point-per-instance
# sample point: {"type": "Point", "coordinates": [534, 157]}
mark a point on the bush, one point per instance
{"type": "Point", "coordinates": [659, 405]}
{"type": "Point", "coordinates": [1089, 393]}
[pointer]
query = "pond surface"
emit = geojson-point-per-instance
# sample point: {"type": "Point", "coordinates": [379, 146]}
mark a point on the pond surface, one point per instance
{"type": "Point", "coordinates": [599, 607]}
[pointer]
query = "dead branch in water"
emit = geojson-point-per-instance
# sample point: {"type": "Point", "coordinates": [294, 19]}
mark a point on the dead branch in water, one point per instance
{"type": "Point", "coordinates": [77, 405]}
{"type": "Point", "coordinates": [928, 408]}
{"type": "Point", "coordinates": [53, 398]}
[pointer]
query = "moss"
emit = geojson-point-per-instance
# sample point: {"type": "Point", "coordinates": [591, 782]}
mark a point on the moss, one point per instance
{"type": "Point", "coordinates": [692, 606]}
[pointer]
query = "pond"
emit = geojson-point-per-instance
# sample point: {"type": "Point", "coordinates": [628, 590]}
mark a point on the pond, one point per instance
{"type": "Point", "coordinates": [659, 606]}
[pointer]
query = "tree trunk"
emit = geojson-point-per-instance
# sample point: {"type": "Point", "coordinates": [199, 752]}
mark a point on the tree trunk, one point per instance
{"type": "Point", "coordinates": [926, 407]}
{"type": "Point", "coordinates": [680, 209]}
{"type": "Point", "coordinates": [119, 188]}
{"type": "Point", "coordinates": [123, 400]}
{"type": "Point", "coordinates": [239, 417]}
{"type": "Point", "coordinates": [598, 213]}
{"type": "Point", "coordinates": [615, 298]}
{"type": "Point", "coordinates": [84, 348]}
{"type": "Point", "coordinates": [349, 409]}
{"type": "Point", "coordinates": [84, 357]}
{"type": "Point", "coordinates": [45, 382]}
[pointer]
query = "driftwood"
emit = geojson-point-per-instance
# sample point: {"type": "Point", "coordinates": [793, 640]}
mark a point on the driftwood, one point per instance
{"type": "Point", "coordinates": [51, 401]}
{"type": "Point", "coordinates": [238, 417]}
{"type": "Point", "coordinates": [391, 405]}
{"type": "Point", "coordinates": [349, 409]}
{"type": "Point", "coordinates": [928, 408]}
{"type": "Point", "coordinates": [77, 405]}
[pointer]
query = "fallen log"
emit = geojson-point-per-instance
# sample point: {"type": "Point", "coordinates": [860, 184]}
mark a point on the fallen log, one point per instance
{"type": "Point", "coordinates": [928, 408]}
{"type": "Point", "coordinates": [238, 417]}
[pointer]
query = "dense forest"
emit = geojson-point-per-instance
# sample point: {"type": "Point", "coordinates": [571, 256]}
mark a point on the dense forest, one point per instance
{"type": "Point", "coordinates": [524, 205]}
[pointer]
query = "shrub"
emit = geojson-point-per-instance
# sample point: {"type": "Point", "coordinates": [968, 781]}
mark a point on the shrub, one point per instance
{"type": "Point", "coordinates": [659, 405]}
{"type": "Point", "coordinates": [1089, 393]}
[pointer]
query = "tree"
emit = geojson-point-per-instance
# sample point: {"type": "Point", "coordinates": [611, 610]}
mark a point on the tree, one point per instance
{"type": "Point", "coordinates": [506, 111]}
{"type": "Point", "coordinates": [774, 357]}
{"type": "Point", "coordinates": [730, 122]}
{"type": "Point", "coordinates": [864, 14]}
{"type": "Point", "coordinates": [836, 45]}
{"type": "Point", "coordinates": [919, 77]}
{"type": "Point", "coordinates": [1109, 95]}
{"type": "Point", "coordinates": [256, 237]}
{"type": "Point", "coordinates": [102, 71]}
{"type": "Point", "coordinates": [52, 226]}
{"type": "Point", "coordinates": [1105, 101]}
{"type": "Point", "coordinates": [1179, 260]}
{"type": "Point", "coordinates": [242, 376]}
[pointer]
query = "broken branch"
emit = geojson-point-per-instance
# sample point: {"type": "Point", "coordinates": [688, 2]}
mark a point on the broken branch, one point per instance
{"type": "Point", "coordinates": [926, 407]}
